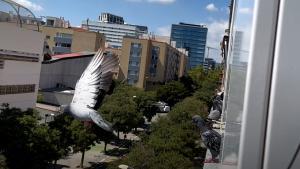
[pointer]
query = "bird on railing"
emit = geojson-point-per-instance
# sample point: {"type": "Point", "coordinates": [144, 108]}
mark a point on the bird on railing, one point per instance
{"type": "Point", "coordinates": [90, 90]}
{"type": "Point", "coordinates": [210, 138]}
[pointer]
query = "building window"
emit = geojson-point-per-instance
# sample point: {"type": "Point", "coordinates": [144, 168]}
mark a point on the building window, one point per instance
{"type": "Point", "coordinates": [50, 22]}
{"type": "Point", "coordinates": [66, 45]}
{"type": "Point", "coordinates": [134, 60]}
{"type": "Point", "coordinates": [16, 89]}
{"type": "Point", "coordinates": [1, 64]}
{"type": "Point", "coordinates": [135, 50]}
{"type": "Point", "coordinates": [154, 60]}
{"type": "Point", "coordinates": [63, 35]}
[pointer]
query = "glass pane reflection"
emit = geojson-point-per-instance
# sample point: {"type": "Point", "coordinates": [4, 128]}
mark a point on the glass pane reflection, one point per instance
{"type": "Point", "coordinates": [237, 70]}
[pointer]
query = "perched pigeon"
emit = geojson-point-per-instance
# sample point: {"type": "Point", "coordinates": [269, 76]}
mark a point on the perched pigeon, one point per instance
{"type": "Point", "coordinates": [90, 89]}
{"type": "Point", "coordinates": [216, 109]}
{"type": "Point", "coordinates": [210, 138]}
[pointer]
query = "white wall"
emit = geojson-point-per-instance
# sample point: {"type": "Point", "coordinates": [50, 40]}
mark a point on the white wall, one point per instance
{"type": "Point", "coordinates": [20, 72]}
{"type": "Point", "coordinates": [65, 72]}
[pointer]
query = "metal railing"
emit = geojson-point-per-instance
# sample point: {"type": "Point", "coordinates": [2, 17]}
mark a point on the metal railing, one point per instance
{"type": "Point", "coordinates": [14, 13]}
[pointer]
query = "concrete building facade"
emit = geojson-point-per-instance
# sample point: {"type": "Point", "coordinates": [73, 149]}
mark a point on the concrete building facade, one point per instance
{"type": "Point", "coordinates": [21, 52]}
{"type": "Point", "coordinates": [56, 22]}
{"type": "Point", "coordinates": [61, 40]}
{"type": "Point", "coordinates": [193, 39]}
{"type": "Point", "coordinates": [114, 31]}
{"type": "Point", "coordinates": [111, 18]}
{"type": "Point", "coordinates": [63, 71]}
{"type": "Point", "coordinates": [145, 63]}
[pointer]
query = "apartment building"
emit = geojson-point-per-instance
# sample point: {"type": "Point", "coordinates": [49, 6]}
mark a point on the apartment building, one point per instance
{"type": "Point", "coordinates": [57, 22]}
{"type": "Point", "coordinates": [60, 40]}
{"type": "Point", "coordinates": [145, 63]}
{"type": "Point", "coordinates": [114, 29]}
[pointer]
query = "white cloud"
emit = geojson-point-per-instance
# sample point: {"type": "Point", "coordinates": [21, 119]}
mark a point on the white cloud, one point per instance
{"type": "Point", "coordinates": [30, 5]}
{"type": "Point", "coordinates": [211, 7]}
{"type": "Point", "coordinates": [164, 31]}
{"type": "Point", "coordinates": [216, 31]}
{"type": "Point", "coordinates": [162, 1]}
{"type": "Point", "coordinates": [245, 10]}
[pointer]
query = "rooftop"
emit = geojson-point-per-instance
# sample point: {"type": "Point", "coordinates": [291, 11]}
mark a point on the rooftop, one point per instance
{"type": "Point", "coordinates": [72, 55]}
{"type": "Point", "coordinates": [188, 24]}
{"type": "Point", "coordinates": [14, 13]}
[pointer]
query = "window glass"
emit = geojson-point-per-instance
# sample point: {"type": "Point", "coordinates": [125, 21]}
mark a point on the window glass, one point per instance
{"type": "Point", "coordinates": [154, 60]}
{"type": "Point", "coordinates": [236, 76]}
{"type": "Point", "coordinates": [134, 62]}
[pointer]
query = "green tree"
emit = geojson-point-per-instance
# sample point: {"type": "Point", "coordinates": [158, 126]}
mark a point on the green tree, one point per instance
{"type": "Point", "coordinates": [141, 156]}
{"type": "Point", "coordinates": [3, 164]}
{"type": "Point", "coordinates": [172, 92]}
{"type": "Point", "coordinates": [102, 135]}
{"type": "Point", "coordinates": [145, 103]}
{"type": "Point", "coordinates": [209, 85]}
{"type": "Point", "coordinates": [197, 75]}
{"type": "Point", "coordinates": [61, 124]}
{"type": "Point", "coordinates": [144, 157]}
{"type": "Point", "coordinates": [121, 110]}
{"type": "Point", "coordinates": [184, 111]}
{"type": "Point", "coordinates": [24, 142]}
{"type": "Point", "coordinates": [168, 136]}
{"type": "Point", "coordinates": [83, 138]}
{"type": "Point", "coordinates": [173, 141]}
{"type": "Point", "coordinates": [172, 160]}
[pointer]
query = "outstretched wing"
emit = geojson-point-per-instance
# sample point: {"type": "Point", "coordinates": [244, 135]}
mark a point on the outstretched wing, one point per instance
{"type": "Point", "coordinates": [99, 121]}
{"type": "Point", "coordinates": [95, 80]}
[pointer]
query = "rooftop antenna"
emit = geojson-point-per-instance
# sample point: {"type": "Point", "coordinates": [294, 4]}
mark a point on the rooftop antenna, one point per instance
{"type": "Point", "coordinates": [87, 23]}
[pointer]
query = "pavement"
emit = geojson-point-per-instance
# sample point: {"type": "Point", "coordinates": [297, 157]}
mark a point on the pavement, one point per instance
{"type": "Point", "coordinates": [94, 158]}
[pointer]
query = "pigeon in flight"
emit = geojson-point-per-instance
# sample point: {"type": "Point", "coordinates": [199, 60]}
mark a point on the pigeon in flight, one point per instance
{"type": "Point", "coordinates": [210, 138]}
{"type": "Point", "coordinates": [90, 89]}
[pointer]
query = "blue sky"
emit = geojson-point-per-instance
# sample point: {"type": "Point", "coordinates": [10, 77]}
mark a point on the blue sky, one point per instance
{"type": "Point", "coordinates": [158, 15]}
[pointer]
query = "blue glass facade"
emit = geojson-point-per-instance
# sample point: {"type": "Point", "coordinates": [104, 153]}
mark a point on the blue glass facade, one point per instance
{"type": "Point", "coordinates": [154, 60]}
{"type": "Point", "coordinates": [193, 39]}
{"type": "Point", "coordinates": [134, 63]}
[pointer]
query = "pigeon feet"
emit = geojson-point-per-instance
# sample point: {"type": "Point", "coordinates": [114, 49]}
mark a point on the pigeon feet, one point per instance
{"type": "Point", "coordinates": [211, 160]}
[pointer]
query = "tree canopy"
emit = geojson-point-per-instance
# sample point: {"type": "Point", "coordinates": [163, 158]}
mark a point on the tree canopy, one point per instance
{"type": "Point", "coordinates": [121, 110]}
{"type": "Point", "coordinates": [172, 92]}
{"type": "Point", "coordinates": [24, 142]}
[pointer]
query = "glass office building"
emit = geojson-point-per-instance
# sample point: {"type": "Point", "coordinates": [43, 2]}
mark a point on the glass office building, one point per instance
{"type": "Point", "coordinates": [113, 32]}
{"type": "Point", "coordinates": [193, 39]}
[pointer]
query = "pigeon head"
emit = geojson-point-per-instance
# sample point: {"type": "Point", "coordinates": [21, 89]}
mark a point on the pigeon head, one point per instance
{"type": "Point", "coordinates": [199, 122]}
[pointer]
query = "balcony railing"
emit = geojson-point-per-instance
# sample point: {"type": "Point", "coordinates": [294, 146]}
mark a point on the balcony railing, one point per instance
{"type": "Point", "coordinates": [14, 13]}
